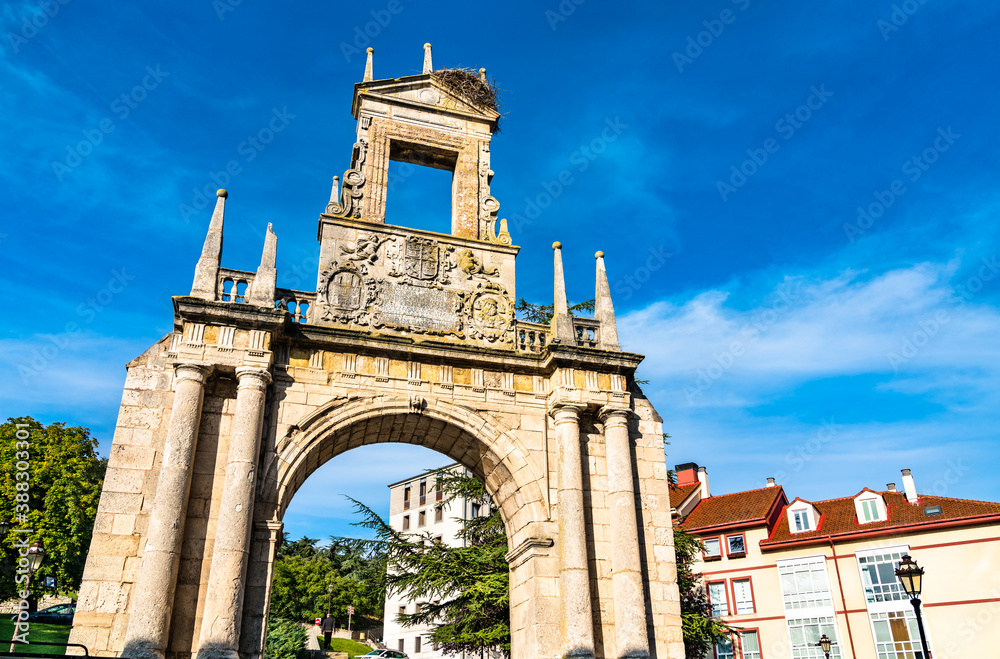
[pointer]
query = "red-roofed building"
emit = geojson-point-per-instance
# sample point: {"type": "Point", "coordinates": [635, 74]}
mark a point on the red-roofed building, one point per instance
{"type": "Point", "coordinates": [788, 572]}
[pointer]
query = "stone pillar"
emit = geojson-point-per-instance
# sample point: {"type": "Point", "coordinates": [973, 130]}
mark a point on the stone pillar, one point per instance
{"type": "Point", "coordinates": [153, 598]}
{"type": "Point", "coordinates": [631, 638]}
{"type": "Point", "coordinates": [574, 572]}
{"type": "Point", "coordinates": [257, 596]}
{"type": "Point", "coordinates": [220, 625]}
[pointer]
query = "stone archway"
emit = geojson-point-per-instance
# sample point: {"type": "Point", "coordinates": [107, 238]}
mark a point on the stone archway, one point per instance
{"type": "Point", "coordinates": [408, 334]}
{"type": "Point", "coordinates": [487, 449]}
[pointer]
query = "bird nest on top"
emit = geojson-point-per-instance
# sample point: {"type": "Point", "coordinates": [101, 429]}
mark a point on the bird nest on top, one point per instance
{"type": "Point", "coordinates": [468, 84]}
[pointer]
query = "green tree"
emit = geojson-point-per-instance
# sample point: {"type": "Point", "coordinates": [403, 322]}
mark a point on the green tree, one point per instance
{"type": "Point", "coordinates": [542, 313]}
{"type": "Point", "coordinates": [701, 630]}
{"type": "Point", "coordinates": [303, 571]}
{"type": "Point", "coordinates": [63, 488]}
{"type": "Point", "coordinates": [464, 588]}
{"type": "Point", "coordinates": [286, 639]}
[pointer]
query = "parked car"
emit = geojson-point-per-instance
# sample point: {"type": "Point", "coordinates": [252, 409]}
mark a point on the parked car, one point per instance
{"type": "Point", "coordinates": [60, 614]}
{"type": "Point", "coordinates": [387, 654]}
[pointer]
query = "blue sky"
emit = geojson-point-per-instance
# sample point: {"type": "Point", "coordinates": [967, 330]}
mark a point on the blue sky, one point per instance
{"type": "Point", "coordinates": [798, 205]}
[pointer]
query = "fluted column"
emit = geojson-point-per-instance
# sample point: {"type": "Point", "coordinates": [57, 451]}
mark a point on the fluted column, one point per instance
{"type": "Point", "coordinates": [626, 570]}
{"type": "Point", "coordinates": [153, 596]}
{"type": "Point", "coordinates": [220, 626]}
{"type": "Point", "coordinates": [574, 572]}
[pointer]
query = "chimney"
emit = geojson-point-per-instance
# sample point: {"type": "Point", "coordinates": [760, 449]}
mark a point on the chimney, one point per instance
{"type": "Point", "coordinates": [770, 482]}
{"type": "Point", "coordinates": [687, 474]}
{"type": "Point", "coordinates": [703, 478]}
{"type": "Point", "coordinates": [891, 487]}
{"type": "Point", "coordinates": [909, 487]}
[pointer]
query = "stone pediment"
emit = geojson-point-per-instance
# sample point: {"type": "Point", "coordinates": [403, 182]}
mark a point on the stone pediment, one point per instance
{"type": "Point", "coordinates": [424, 92]}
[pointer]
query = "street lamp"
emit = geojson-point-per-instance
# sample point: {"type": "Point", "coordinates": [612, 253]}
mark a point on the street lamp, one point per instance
{"type": "Point", "coordinates": [36, 554]}
{"type": "Point", "coordinates": [329, 597]}
{"type": "Point", "coordinates": [5, 525]}
{"type": "Point", "coordinates": [911, 576]}
{"type": "Point", "coordinates": [824, 645]}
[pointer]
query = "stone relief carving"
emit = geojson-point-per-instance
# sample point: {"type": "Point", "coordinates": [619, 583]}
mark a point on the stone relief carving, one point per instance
{"type": "Point", "coordinates": [354, 180]}
{"type": "Point", "coordinates": [467, 262]}
{"type": "Point", "coordinates": [346, 293]}
{"type": "Point", "coordinates": [490, 314]}
{"type": "Point", "coordinates": [365, 249]}
{"type": "Point", "coordinates": [420, 261]}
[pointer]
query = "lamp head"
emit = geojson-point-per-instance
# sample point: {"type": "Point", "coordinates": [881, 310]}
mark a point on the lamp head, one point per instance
{"type": "Point", "coordinates": [36, 554]}
{"type": "Point", "coordinates": [910, 575]}
{"type": "Point", "coordinates": [824, 643]}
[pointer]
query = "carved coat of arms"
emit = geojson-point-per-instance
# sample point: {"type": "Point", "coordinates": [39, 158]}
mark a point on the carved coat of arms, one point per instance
{"type": "Point", "coordinates": [421, 258]}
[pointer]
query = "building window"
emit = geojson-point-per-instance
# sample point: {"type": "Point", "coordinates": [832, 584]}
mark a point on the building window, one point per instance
{"type": "Point", "coordinates": [878, 575]}
{"type": "Point", "coordinates": [475, 510]}
{"type": "Point", "coordinates": [423, 492]}
{"type": "Point", "coordinates": [402, 645]}
{"type": "Point", "coordinates": [724, 648]}
{"type": "Point", "coordinates": [402, 610]}
{"type": "Point", "coordinates": [422, 519]}
{"type": "Point", "coordinates": [750, 644]}
{"type": "Point", "coordinates": [717, 598]}
{"type": "Point", "coordinates": [406, 498]}
{"type": "Point", "coordinates": [416, 644]}
{"type": "Point", "coordinates": [804, 583]}
{"type": "Point", "coordinates": [870, 510]}
{"type": "Point", "coordinates": [742, 596]}
{"type": "Point", "coordinates": [801, 518]}
{"type": "Point", "coordinates": [736, 545]}
{"type": "Point", "coordinates": [896, 635]}
{"type": "Point", "coordinates": [438, 513]}
{"type": "Point", "coordinates": [420, 607]}
{"type": "Point", "coordinates": [406, 522]}
{"type": "Point", "coordinates": [438, 493]}
{"type": "Point", "coordinates": [805, 634]}
{"type": "Point", "coordinates": [713, 548]}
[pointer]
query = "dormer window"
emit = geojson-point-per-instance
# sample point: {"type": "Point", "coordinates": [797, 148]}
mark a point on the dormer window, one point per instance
{"type": "Point", "coordinates": [801, 517]}
{"type": "Point", "coordinates": [870, 507]}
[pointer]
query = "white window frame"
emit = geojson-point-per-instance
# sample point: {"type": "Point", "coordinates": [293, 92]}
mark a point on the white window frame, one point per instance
{"type": "Point", "coordinates": [718, 541]}
{"type": "Point", "coordinates": [888, 649]}
{"type": "Point", "coordinates": [736, 600]}
{"type": "Point", "coordinates": [714, 602]}
{"type": "Point", "coordinates": [867, 503]}
{"type": "Point", "coordinates": [821, 606]}
{"type": "Point", "coordinates": [810, 651]}
{"type": "Point", "coordinates": [743, 651]}
{"type": "Point", "coordinates": [809, 514]}
{"type": "Point", "coordinates": [899, 601]}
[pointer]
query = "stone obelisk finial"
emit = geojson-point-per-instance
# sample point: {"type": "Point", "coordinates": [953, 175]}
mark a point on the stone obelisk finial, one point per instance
{"type": "Point", "coordinates": [206, 273]}
{"type": "Point", "coordinates": [368, 66]}
{"type": "Point", "coordinates": [562, 324]}
{"type": "Point", "coordinates": [265, 281]}
{"type": "Point", "coordinates": [428, 65]}
{"type": "Point", "coordinates": [604, 310]}
{"type": "Point", "coordinates": [482, 74]}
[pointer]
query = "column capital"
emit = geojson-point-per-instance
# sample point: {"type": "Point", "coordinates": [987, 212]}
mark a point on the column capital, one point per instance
{"type": "Point", "coordinates": [611, 415]}
{"type": "Point", "coordinates": [252, 377]}
{"type": "Point", "coordinates": [564, 411]}
{"type": "Point", "coordinates": [192, 371]}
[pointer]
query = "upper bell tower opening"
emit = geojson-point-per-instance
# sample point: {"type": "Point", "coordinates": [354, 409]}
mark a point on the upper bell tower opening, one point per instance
{"type": "Point", "coordinates": [443, 119]}
{"type": "Point", "coordinates": [420, 189]}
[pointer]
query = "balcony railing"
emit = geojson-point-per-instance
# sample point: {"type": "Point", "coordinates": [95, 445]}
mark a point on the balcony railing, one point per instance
{"type": "Point", "coordinates": [234, 285]}
{"type": "Point", "coordinates": [296, 303]}
{"type": "Point", "coordinates": [531, 337]}
{"type": "Point", "coordinates": [587, 332]}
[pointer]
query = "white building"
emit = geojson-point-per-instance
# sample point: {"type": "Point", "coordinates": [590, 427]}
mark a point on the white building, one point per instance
{"type": "Point", "coordinates": [417, 505]}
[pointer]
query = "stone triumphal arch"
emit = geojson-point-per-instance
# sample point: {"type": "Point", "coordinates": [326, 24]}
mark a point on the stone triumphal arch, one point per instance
{"type": "Point", "coordinates": [410, 336]}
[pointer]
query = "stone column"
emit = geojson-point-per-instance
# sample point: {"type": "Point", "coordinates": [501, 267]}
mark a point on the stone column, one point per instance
{"type": "Point", "coordinates": [631, 639]}
{"type": "Point", "coordinates": [220, 625]}
{"type": "Point", "coordinates": [153, 598]}
{"type": "Point", "coordinates": [574, 572]}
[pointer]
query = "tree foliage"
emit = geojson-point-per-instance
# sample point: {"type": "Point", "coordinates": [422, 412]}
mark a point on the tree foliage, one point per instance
{"type": "Point", "coordinates": [701, 630]}
{"type": "Point", "coordinates": [286, 639]}
{"type": "Point", "coordinates": [463, 589]}
{"type": "Point", "coordinates": [64, 486]}
{"type": "Point", "coordinates": [303, 571]}
{"type": "Point", "coordinates": [542, 313]}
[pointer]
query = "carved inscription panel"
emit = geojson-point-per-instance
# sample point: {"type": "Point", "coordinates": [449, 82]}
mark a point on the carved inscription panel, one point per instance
{"type": "Point", "coordinates": [420, 308]}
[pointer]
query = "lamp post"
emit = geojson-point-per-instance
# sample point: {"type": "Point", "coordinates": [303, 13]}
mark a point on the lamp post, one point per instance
{"type": "Point", "coordinates": [36, 554]}
{"type": "Point", "coordinates": [911, 576]}
{"type": "Point", "coordinates": [824, 645]}
{"type": "Point", "coordinates": [5, 525]}
{"type": "Point", "coordinates": [329, 597]}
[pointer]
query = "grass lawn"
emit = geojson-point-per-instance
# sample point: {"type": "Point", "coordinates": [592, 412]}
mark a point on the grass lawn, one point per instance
{"type": "Point", "coordinates": [352, 648]}
{"type": "Point", "coordinates": [38, 632]}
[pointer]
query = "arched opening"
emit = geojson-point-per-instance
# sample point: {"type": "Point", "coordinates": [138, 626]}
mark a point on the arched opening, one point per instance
{"type": "Point", "coordinates": [487, 449]}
